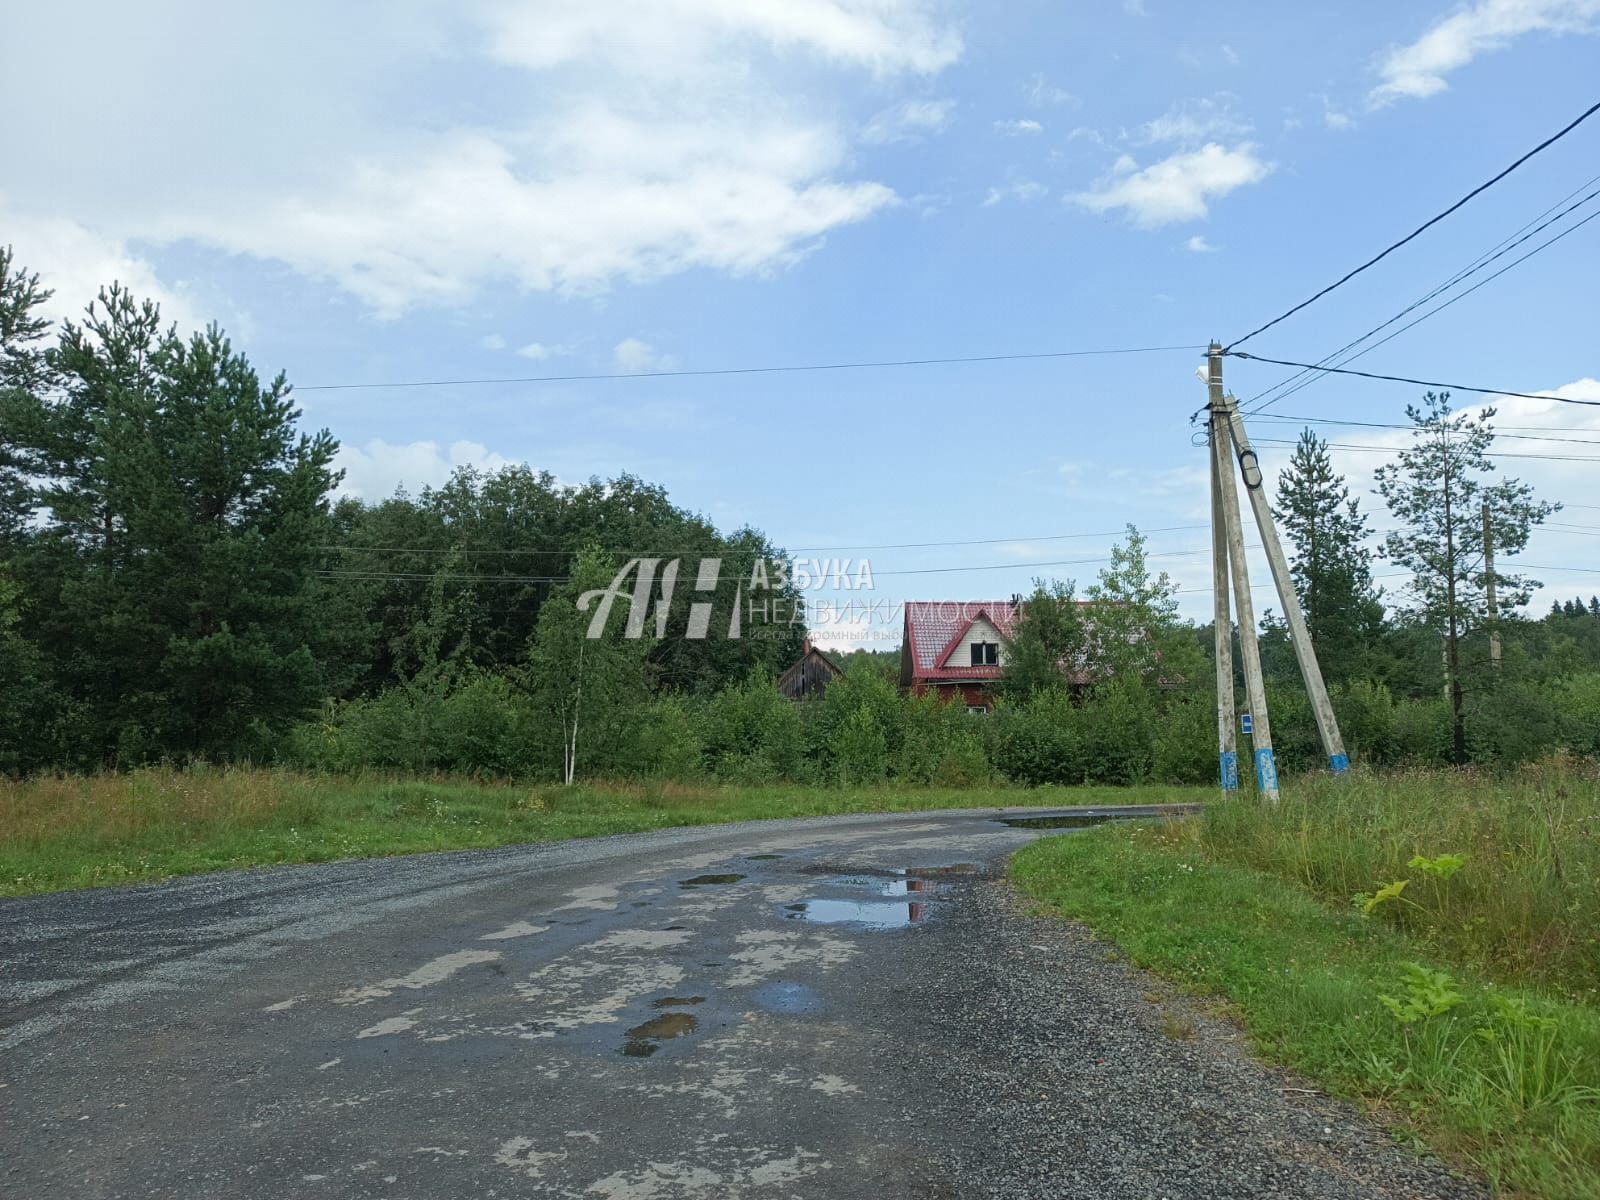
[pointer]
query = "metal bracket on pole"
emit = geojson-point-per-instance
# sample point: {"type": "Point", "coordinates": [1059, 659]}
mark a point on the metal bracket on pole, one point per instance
{"type": "Point", "coordinates": [1299, 636]}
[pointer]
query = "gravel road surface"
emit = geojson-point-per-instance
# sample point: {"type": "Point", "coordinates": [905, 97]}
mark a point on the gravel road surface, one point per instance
{"type": "Point", "coordinates": [851, 1007]}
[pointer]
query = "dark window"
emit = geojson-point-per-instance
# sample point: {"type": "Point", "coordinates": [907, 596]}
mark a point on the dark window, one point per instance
{"type": "Point", "coordinates": [985, 654]}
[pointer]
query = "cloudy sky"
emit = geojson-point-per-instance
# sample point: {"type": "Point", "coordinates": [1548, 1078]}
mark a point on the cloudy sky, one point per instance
{"type": "Point", "coordinates": [383, 192]}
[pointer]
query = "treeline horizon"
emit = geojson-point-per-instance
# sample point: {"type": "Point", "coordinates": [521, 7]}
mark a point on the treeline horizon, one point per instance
{"type": "Point", "coordinates": [180, 582]}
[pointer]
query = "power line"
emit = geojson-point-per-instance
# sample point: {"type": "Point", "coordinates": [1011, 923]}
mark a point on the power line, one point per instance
{"type": "Point", "coordinates": [1433, 312]}
{"type": "Point", "coordinates": [1505, 246]}
{"type": "Point", "coordinates": [773, 370]}
{"type": "Point", "coordinates": [1356, 446]}
{"type": "Point", "coordinates": [730, 552]}
{"type": "Point", "coordinates": [1499, 431]}
{"type": "Point", "coordinates": [1428, 383]}
{"type": "Point", "coordinates": [1381, 255]}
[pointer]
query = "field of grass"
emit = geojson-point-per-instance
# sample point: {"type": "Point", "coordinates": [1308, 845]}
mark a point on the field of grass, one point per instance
{"type": "Point", "coordinates": [90, 831]}
{"type": "Point", "coordinates": [1461, 1006]}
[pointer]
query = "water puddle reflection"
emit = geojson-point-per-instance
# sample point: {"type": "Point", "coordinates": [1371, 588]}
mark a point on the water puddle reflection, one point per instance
{"type": "Point", "coordinates": [709, 880]}
{"type": "Point", "coordinates": [871, 914]}
{"type": "Point", "coordinates": [644, 1040]}
{"type": "Point", "coordinates": [1061, 820]}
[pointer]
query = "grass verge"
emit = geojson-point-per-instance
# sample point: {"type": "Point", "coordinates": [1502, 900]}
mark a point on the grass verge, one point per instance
{"type": "Point", "coordinates": [1489, 1056]}
{"type": "Point", "coordinates": [91, 831]}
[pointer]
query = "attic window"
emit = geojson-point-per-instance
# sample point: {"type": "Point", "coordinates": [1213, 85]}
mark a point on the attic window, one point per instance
{"type": "Point", "coordinates": [985, 654]}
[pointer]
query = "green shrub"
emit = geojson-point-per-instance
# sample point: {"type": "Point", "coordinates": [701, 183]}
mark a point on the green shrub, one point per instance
{"type": "Point", "coordinates": [1040, 740]}
{"type": "Point", "coordinates": [1185, 749]}
{"type": "Point", "coordinates": [860, 750]}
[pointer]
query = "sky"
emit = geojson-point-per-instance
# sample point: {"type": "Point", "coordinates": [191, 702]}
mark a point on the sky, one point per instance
{"type": "Point", "coordinates": [374, 193]}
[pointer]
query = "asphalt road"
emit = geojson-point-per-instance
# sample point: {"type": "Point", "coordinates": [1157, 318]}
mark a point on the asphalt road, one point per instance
{"type": "Point", "coordinates": [850, 1007]}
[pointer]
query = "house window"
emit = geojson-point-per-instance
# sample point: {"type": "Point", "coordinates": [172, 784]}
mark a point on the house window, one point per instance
{"type": "Point", "coordinates": [981, 710]}
{"type": "Point", "coordinates": [985, 654]}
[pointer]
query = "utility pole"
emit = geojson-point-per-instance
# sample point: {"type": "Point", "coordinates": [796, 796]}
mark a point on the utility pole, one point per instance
{"type": "Point", "coordinates": [1222, 626]}
{"type": "Point", "coordinates": [1488, 575]}
{"type": "Point", "coordinates": [1254, 685]}
{"type": "Point", "coordinates": [1299, 636]}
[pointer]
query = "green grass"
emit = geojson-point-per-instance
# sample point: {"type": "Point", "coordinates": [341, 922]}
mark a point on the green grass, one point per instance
{"type": "Point", "coordinates": [91, 831]}
{"type": "Point", "coordinates": [1487, 1047]}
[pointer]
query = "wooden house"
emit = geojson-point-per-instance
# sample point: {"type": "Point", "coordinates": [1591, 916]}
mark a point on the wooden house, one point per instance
{"type": "Point", "coordinates": [810, 676]}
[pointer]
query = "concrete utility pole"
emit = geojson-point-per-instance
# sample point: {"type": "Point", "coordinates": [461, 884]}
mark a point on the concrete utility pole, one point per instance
{"type": "Point", "coordinates": [1299, 636]}
{"type": "Point", "coordinates": [1222, 625]}
{"type": "Point", "coordinates": [1488, 574]}
{"type": "Point", "coordinates": [1254, 686]}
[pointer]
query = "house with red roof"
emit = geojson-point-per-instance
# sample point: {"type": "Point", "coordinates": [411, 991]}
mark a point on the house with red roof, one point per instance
{"type": "Point", "coordinates": [957, 647]}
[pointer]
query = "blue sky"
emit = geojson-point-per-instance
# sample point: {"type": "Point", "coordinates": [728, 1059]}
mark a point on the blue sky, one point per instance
{"type": "Point", "coordinates": [410, 191]}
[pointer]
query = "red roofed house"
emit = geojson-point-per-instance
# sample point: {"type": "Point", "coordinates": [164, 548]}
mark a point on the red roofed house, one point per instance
{"type": "Point", "coordinates": [956, 647]}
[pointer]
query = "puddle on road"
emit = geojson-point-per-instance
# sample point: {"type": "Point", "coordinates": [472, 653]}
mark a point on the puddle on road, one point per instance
{"type": "Point", "coordinates": [1061, 820]}
{"type": "Point", "coordinates": [787, 998]}
{"type": "Point", "coordinates": [709, 880]}
{"type": "Point", "coordinates": [644, 1040]}
{"type": "Point", "coordinates": [871, 914]}
{"type": "Point", "coordinates": [762, 857]}
{"type": "Point", "coordinates": [677, 1001]}
{"type": "Point", "coordinates": [903, 887]}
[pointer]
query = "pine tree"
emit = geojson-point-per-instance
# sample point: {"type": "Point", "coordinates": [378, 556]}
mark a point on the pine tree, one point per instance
{"type": "Point", "coordinates": [1330, 563]}
{"type": "Point", "coordinates": [182, 514]}
{"type": "Point", "coordinates": [25, 375]}
{"type": "Point", "coordinates": [1436, 492]}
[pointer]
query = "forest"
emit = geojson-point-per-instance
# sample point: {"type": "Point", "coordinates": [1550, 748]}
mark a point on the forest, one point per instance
{"type": "Point", "coordinates": [181, 582]}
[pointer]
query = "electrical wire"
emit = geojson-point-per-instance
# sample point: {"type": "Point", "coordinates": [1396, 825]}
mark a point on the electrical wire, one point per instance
{"type": "Point", "coordinates": [774, 370]}
{"type": "Point", "coordinates": [1053, 537]}
{"type": "Point", "coordinates": [1358, 447]}
{"type": "Point", "coordinates": [1428, 383]}
{"type": "Point", "coordinates": [1433, 312]}
{"type": "Point", "coordinates": [1428, 224]}
{"type": "Point", "coordinates": [1528, 230]}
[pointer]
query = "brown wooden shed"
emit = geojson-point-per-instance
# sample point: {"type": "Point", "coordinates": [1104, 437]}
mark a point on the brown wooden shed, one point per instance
{"type": "Point", "coordinates": [810, 676]}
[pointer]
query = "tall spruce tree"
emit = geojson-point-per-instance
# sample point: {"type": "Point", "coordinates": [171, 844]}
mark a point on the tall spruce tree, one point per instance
{"type": "Point", "coordinates": [1330, 567]}
{"type": "Point", "coordinates": [1436, 491]}
{"type": "Point", "coordinates": [181, 515]}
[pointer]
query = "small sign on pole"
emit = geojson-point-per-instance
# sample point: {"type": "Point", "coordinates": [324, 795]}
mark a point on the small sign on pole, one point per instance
{"type": "Point", "coordinates": [1245, 725]}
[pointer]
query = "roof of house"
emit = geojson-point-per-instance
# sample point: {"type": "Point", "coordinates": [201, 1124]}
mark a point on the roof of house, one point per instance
{"type": "Point", "coordinates": [933, 628]}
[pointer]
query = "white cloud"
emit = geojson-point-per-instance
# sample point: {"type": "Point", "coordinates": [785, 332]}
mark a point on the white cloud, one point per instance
{"type": "Point", "coordinates": [1040, 91]}
{"type": "Point", "coordinates": [1193, 122]}
{"type": "Point", "coordinates": [635, 356]}
{"type": "Point", "coordinates": [75, 263]}
{"type": "Point", "coordinates": [884, 36]}
{"type": "Point", "coordinates": [1199, 245]}
{"type": "Point", "coordinates": [547, 145]}
{"type": "Point", "coordinates": [1419, 69]}
{"type": "Point", "coordinates": [1018, 126]}
{"type": "Point", "coordinates": [492, 341]}
{"type": "Point", "coordinates": [907, 122]}
{"type": "Point", "coordinates": [373, 472]}
{"type": "Point", "coordinates": [1023, 190]}
{"type": "Point", "coordinates": [1178, 187]}
{"type": "Point", "coordinates": [537, 351]}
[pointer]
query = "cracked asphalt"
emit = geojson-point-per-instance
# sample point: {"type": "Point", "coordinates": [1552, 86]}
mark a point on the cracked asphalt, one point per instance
{"type": "Point", "coordinates": [846, 1007]}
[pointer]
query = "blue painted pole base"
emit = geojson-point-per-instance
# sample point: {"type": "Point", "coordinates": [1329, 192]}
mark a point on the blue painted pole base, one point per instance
{"type": "Point", "coordinates": [1266, 770]}
{"type": "Point", "coordinates": [1340, 763]}
{"type": "Point", "coordinates": [1228, 768]}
